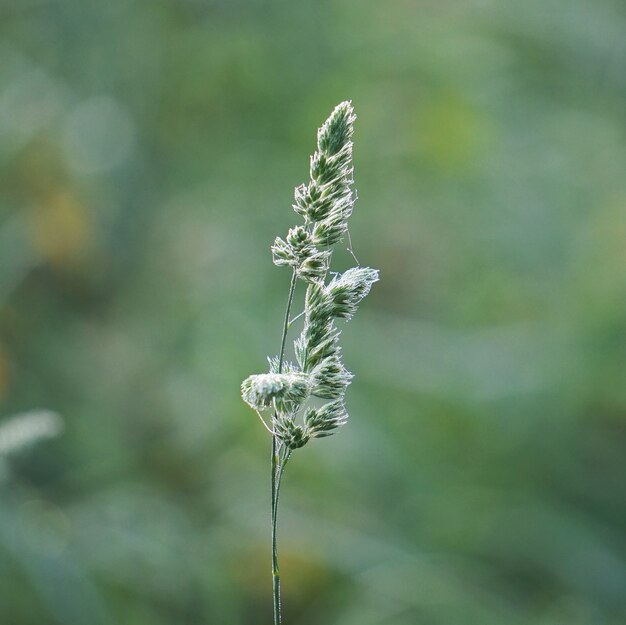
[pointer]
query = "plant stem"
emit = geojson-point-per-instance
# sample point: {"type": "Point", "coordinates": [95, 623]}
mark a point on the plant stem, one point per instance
{"type": "Point", "coordinates": [275, 572]}
{"type": "Point", "coordinates": [278, 466]}
{"type": "Point", "coordinates": [292, 289]}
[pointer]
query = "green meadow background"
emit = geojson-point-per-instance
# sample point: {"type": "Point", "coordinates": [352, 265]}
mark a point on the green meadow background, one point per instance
{"type": "Point", "coordinates": [148, 154]}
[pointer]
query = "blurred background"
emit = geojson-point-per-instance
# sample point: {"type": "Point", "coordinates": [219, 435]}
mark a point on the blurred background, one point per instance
{"type": "Point", "coordinates": [148, 155]}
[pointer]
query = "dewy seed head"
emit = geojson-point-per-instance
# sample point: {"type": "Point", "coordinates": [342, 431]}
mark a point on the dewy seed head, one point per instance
{"type": "Point", "coordinates": [325, 203]}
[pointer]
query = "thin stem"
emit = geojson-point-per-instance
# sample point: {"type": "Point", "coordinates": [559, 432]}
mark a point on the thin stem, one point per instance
{"type": "Point", "coordinates": [263, 422]}
{"type": "Point", "coordinates": [275, 571]}
{"type": "Point", "coordinates": [292, 289]}
{"type": "Point", "coordinates": [292, 321]}
{"type": "Point", "coordinates": [277, 465]}
{"type": "Point", "coordinates": [281, 467]}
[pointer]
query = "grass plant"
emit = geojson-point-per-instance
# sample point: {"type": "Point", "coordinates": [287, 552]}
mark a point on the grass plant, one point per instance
{"type": "Point", "coordinates": [301, 400]}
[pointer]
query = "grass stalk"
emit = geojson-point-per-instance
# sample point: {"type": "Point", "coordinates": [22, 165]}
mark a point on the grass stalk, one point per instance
{"type": "Point", "coordinates": [277, 467]}
{"type": "Point", "coordinates": [291, 391]}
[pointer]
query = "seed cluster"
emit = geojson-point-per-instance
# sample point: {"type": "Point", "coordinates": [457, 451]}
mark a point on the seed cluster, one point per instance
{"type": "Point", "coordinates": [325, 203]}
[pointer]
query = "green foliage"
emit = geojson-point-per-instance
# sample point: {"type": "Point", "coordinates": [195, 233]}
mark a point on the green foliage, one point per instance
{"type": "Point", "coordinates": [144, 151]}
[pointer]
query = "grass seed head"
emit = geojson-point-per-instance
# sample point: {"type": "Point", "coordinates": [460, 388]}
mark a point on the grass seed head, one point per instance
{"type": "Point", "coordinates": [325, 203]}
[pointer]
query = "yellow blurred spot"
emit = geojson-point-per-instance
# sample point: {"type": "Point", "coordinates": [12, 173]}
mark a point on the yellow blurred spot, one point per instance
{"type": "Point", "coordinates": [60, 228]}
{"type": "Point", "coordinates": [603, 251]}
{"type": "Point", "coordinates": [452, 133]}
{"type": "Point", "coordinates": [305, 572]}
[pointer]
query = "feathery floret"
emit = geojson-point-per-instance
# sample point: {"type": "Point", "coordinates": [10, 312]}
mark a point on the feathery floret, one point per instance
{"type": "Point", "coordinates": [322, 421]}
{"type": "Point", "coordinates": [259, 391]}
{"type": "Point", "coordinates": [330, 378]}
{"type": "Point", "coordinates": [293, 436]}
{"type": "Point", "coordinates": [348, 289]}
{"type": "Point", "coordinates": [337, 130]}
